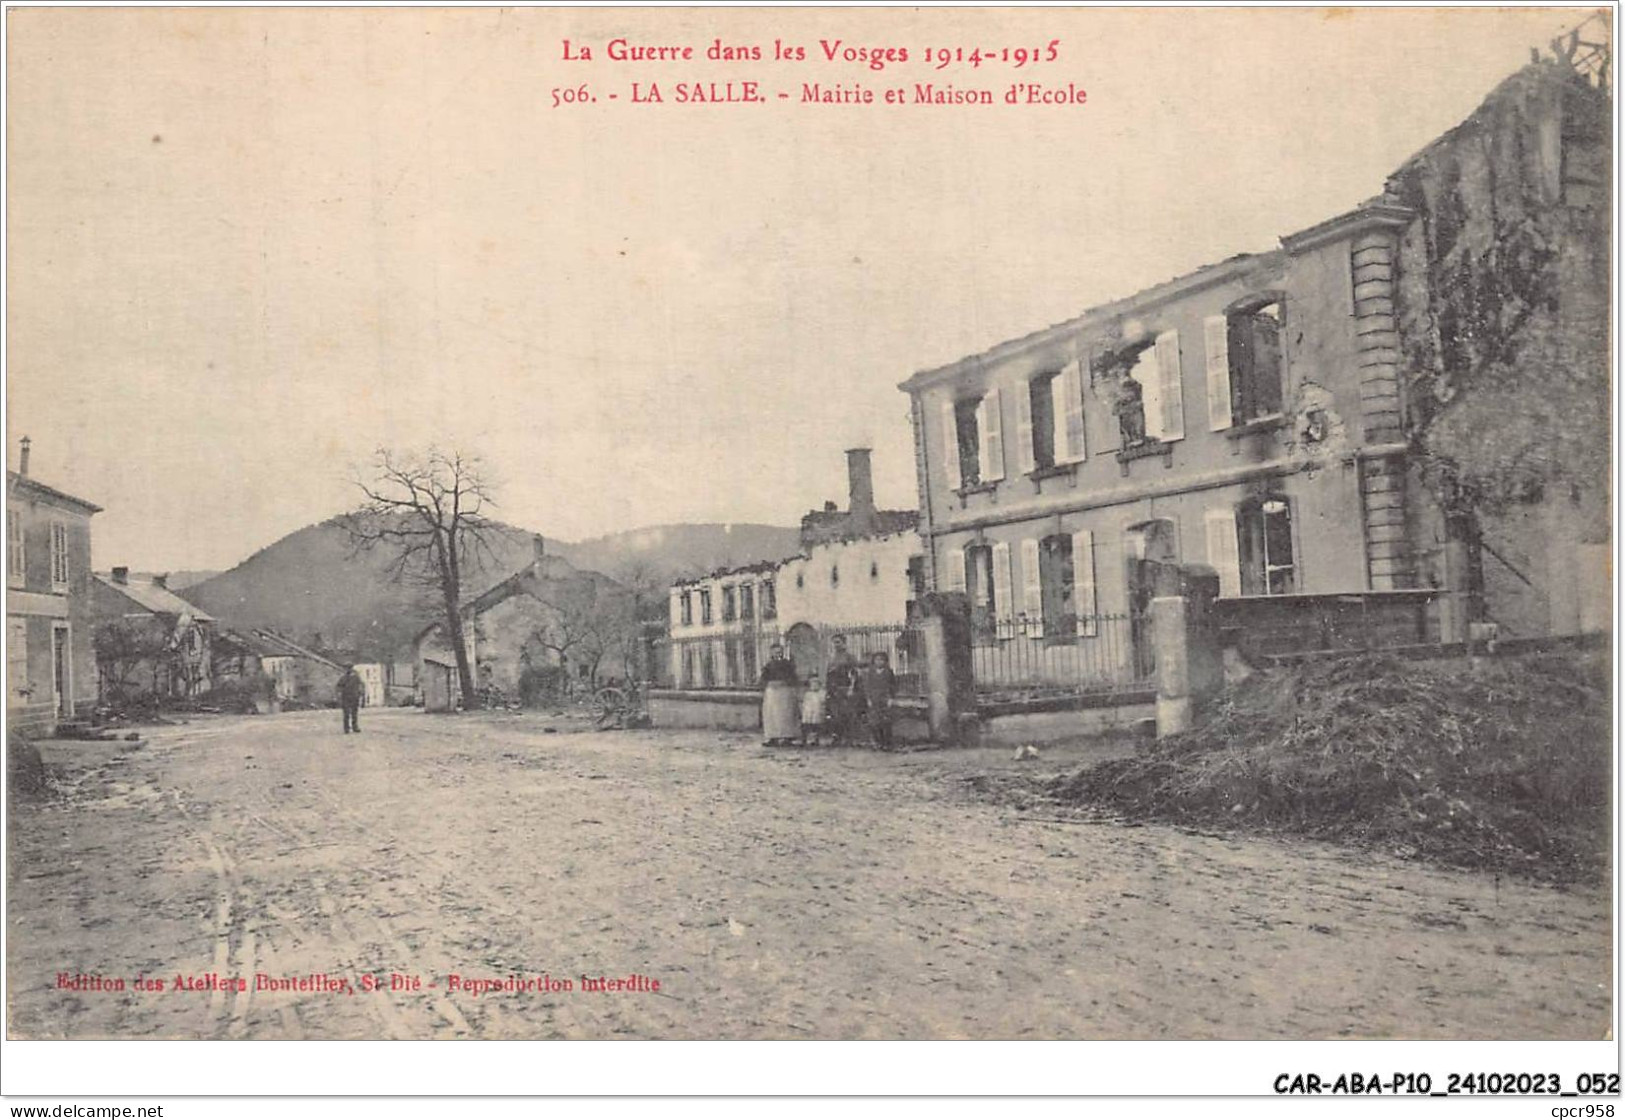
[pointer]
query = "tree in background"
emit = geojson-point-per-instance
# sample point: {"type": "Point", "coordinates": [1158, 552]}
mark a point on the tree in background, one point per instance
{"type": "Point", "coordinates": [125, 650]}
{"type": "Point", "coordinates": [427, 511]}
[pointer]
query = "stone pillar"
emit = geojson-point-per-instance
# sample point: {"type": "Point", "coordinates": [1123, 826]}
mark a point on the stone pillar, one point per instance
{"type": "Point", "coordinates": [1190, 661]}
{"type": "Point", "coordinates": [1175, 701]}
{"type": "Point", "coordinates": [1455, 604]}
{"type": "Point", "coordinates": [944, 622]}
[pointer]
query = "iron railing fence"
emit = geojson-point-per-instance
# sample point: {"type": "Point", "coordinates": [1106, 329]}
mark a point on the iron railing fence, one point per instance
{"type": "Point", "coordinates": [734, 659]}
{"type": "Point", "coordinates": [1062, 654]}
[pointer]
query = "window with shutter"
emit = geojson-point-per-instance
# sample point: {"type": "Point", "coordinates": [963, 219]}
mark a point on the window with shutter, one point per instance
{"type": "Point", "coordinates": [1026, 451]}
{"type": "Point", "coordinates": [992, 437]}
{"type": "Point", "coordinates": [1032, 589]}
{"type": "Point", "coordinates": [1170, 387]}
{"type": "Point", "coordinates": [953, 569]}
{"type": "Point", "coordinates": [59, 554]}
{"type": "Point", "coordinates": [950, 444]}
{"type": "Point", "coordinates": [1068, 414]}
{"type": "Point", "coordinates": [1083, 576]}
{"type": "Point", "coordinates": [1057, 580]}
{"type": "Point", "coordinates": [1216, 343]}
{"type": "Point", "coordinates": [17, 660]}
{"type": "Point", "coordinates": [1003, 599]}
{"type": "Point", "coordinates": [1222, 553]}
{"type": "Point", "coordinates": [16, 564]}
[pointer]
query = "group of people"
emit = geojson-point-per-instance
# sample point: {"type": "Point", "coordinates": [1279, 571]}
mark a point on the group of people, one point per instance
{"type": "Point", "coordinates": [854, 697]}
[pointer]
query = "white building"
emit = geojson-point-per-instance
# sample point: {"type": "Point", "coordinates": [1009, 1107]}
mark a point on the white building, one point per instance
{"type": "Point", "coordinates": [857, 574]}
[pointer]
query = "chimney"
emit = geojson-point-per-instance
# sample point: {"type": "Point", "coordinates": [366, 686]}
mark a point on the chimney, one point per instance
{"type": "Point", "coordinates": [860, 485]}
{"type": "Point", "coordinates": [121, 576]}
{"type": "Point", "coordinates": [161, 581]}
{"type": "Point", "coordinates": [538, 548]}
{"type": "Point", "coordinates": [22, 460]}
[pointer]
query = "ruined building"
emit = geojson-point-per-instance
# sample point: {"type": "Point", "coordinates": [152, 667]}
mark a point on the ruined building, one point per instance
{"type": "Point", "coordinates": [1297, 419]}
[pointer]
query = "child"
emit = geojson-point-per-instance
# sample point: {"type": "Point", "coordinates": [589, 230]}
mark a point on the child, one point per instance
{"type": "Point", "coordinates": [878, 685]}
{"type": "Point", "coordinates": [812, 712]}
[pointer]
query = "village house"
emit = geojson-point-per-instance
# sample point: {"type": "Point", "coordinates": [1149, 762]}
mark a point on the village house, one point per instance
{"type": "Point", "coordinates": [1254, 416]}
{"type": "Point", "coordinates": [148, 639]}
{"type": "Point", "coordinates": [547, 615]}
{"type": "Point", "coordinates": [856, 574]}
{"type": "Point", "coordinates": [50, 664]}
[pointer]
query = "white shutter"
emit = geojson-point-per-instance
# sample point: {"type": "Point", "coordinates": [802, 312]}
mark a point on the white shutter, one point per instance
{"type": "Point", "coordinates": [950, 444]}
{"type": "Point", "coordinates": [1222, 553]}
{"type": "Point", "coordinates": [1032, 589]}
{"type": "Point", "coordinates": [953, 569]}
{"type": "Point", "coordinates": [1083, 582]}
{"type": "Point", "coordinates": [1171, 390]}
{"type": "Point", "coordinates": [1024, 429]}
{"type": "Point", "coordinates": [1067, 407]}
{"type": "Point", "coordinates": [1216, 338]}
{"type": "Point", "coordinates": [1003, 591]}
{"type": "Point", "coordinates": [992, 437]}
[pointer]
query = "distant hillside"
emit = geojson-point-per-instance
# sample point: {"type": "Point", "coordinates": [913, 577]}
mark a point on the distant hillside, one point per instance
{"type": "Point", "coordinates": [311, 585]}
{"type": "Point", "coordinates": [670, 551]}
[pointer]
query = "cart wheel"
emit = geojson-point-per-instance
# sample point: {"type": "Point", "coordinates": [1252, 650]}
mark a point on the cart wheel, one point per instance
{"type": "Point", "coordinates": [607, 705]}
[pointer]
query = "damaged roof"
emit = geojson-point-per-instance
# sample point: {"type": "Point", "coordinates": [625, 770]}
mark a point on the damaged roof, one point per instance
{"type": "Point", "coordinates": [158, 600]}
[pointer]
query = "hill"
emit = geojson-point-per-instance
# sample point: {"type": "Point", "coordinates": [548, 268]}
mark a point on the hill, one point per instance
{"type": "Point", "coordinates": [312, 586]}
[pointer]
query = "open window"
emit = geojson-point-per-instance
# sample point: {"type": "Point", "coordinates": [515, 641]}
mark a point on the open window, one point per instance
{"type": "Point", "coordinates": [1264, 547]}
{"type": "Point", "coordinates": [770, 601]}
{"type": "Point", "coordinates": [1056, 586]}
{"type": "Point", "coordinates": [1246, 366]}
{"type": "Point", "coordinates": [1049, 419]}
{"type": "Point", "coordinates": [705, 607]}
{"type": "Point", "coordinates": [687, 602]}
{"type": "Point", "coordinates": [979, 588]}
{"type": "Point", "coordinates": [1150, 402]}
{"type": "Point", "coordinates": [1040, 422]}
{"type": "Point", "coordinates": [730, 604]}
{"type": "Point", "coordinates": [973, 441]}
{"type": "Point", "coordinates": [747, 602]}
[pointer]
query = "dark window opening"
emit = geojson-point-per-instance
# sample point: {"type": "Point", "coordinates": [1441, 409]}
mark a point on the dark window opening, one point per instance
{"type": "Point", "coordinates": [1055, 579]}
{"type": "Point", "coordinates": [1264, 542]}
{"type": "Point", "coordinates": [979, 589]}
{"type": "Point", "coordinates": [835, 575]}
{"type": "Point", "coordinates": [970, 464]}
{"type": "Point", "coordinates": [730, 604]}
{"type": "Point", "coordinates": [770, 600]}
{"type": "Point", "coordinates": [1256, 368]}
{"type": "Point", "coordinates": [1041, 394]}
{"type": "Point", "coordinates": [688, 609]}
{"type": "Point", "coordinates": [1138, 364]}
{"type": "Point", "coordinates": [705, 608]}
{"type": "Point", "coordinates": [747, 602]}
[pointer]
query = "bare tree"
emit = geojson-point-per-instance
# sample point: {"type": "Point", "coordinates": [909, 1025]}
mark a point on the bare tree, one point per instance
{"type": "Point", "coordinates": [588, 621]}
{"type": "Point", "coordinates": [646, 614]}
{"type": "Point", "coordinates": [428, 511]}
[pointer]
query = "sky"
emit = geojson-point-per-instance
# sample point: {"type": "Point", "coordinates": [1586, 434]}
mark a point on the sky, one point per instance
{"type": "Point", "coordinates": [248, 247]}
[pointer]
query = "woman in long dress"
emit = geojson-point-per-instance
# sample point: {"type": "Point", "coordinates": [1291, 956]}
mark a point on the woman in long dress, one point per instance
{"type": "Point", "coordinates": [781, 707]}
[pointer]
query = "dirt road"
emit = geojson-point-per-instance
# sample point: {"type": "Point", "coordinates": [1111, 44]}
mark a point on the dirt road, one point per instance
{"type": "Point", "coordinates": [772, 894]}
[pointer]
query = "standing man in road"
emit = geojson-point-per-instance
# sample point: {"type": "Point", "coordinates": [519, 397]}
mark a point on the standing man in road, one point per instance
{"type": "Point", "coordinates": [843, 699]}
{"type": "Point", "coordinates": [351, 690]}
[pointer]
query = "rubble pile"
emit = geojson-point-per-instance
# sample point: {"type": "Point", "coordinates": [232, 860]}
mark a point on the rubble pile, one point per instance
{"type": "Point", "coordinates": [1500, 764]}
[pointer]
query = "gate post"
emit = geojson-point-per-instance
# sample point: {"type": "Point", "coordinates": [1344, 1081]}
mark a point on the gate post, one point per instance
{"type": "Point", "coordinates": [944, 621]}
{"type": "Point", "coordinates": [1190, 663]}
